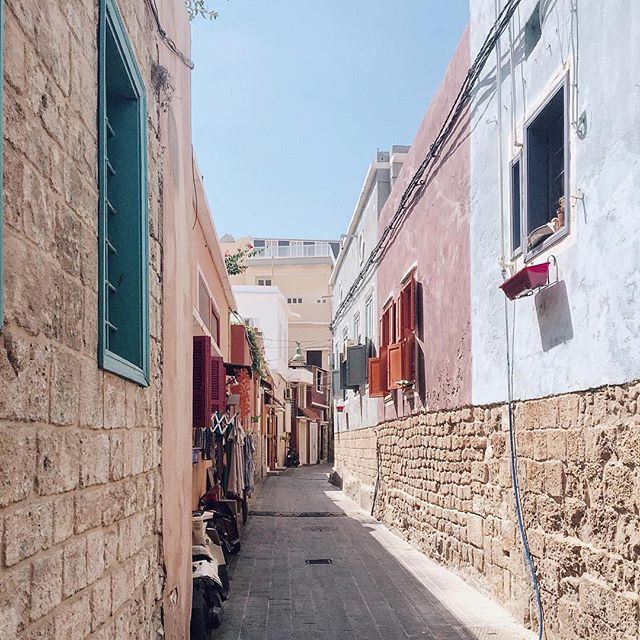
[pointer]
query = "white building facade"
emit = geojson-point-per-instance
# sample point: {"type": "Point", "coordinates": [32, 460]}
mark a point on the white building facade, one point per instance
{"type": "Point", "coordinates": [358, 322]}
{"type": "Point", "coordinates": [556, 143]}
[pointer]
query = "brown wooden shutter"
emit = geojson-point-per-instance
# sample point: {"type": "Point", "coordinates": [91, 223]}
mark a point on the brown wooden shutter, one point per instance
{"type": "Point", "coordinates": [201, 381]}
{"type": "Point", "coordinates": [408, 309]}
{"type": "Point", "coordinates": [375, 388]}
{"type": "Point", "coordinates": [218, 385]}
{"type": "Point", "coordinates": [409, 358]}
{"type": "Point", "coordinates": [384, 378]}
{"type": "Point", "coordinates": [394, 365]}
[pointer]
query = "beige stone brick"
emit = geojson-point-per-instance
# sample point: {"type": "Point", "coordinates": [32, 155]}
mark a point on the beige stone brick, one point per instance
{"type": "Point", "coordinates": [474, 530]}
{"type": "Point", "coordinates": [100, 602]}
{"type": "Point", "coordinates": [88, 508]}
{"type": "Point", "coordinates": [15, 585]}
{"type": "Point", "coordinates": [25, 365]}
{"type": "Point", "coordinates": [58, 461]}
{"type": "Point", "coordinates": [65, 387]}
{"type": "Point", "coordinates": [94, 458]}
{"type": "Point", "coordinates": [556, 444]}
{"type": "Point", "coordinates": [46, 583]}
{"type": "Point", "coordinates": [63, 518]}
{"type": "Point", "coordinates": [44, 630]}
{"type": "Point", "coordinates": [28, 530]}
{"type": "Point", "coordinates": [121, 586]}
{"type": "Point", "coordinates": [73, 619]}
{"type": "Point", "coordinates": [95, 555]}
{"type": "Point", "coordinates": [75, 566]}
{"type": "Point", "coordinates": [17, 463]}
{"type": "Point", "coordinates": [117, 455]}
{"type": "Point", "coordinates": [554, 479]}
{"type": "Point", "coordinates": [111, 540]}
{"type": "Point", "coordinates": [619, 485]}
{"type": "Point", "coordinates": [114, 402]}
{"type": "Point", "coordinates": [90, 399]}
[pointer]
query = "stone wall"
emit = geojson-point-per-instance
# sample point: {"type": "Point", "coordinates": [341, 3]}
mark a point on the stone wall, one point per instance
{"type": "Point", "coordinates": [80, 484]}
{"type": "Point", "coordinates": [445, 485]}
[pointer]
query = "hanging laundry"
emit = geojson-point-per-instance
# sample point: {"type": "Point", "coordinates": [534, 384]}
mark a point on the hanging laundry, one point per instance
{"type": "Point", "coordinates": [249, 451]}
{"type": "Point", "coordinates": [236, 481]}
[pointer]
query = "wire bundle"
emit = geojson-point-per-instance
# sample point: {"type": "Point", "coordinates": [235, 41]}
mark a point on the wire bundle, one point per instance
{"type": "Point", "coordinates": [417, 181]}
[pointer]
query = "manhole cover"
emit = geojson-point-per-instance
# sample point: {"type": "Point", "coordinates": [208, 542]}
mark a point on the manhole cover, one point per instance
{"type": "Point", "coordinates": [319, 561]}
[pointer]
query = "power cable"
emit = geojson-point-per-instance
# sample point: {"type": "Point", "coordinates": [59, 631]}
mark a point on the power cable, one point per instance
{"type": "Point", "coordinates": [514, 477]}
{"type": "Point", "coordinates": [417, 181]}
{"type": "Point", "coordinates": [165, 37]}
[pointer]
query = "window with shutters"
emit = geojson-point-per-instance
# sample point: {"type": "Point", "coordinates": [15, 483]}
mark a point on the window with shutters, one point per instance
{"type": "Point", "coordinates": [401, 354]}
{"type": "Point", "coordinates": [218, 385]}
{"type": "Point", "coordinates": [201, 382]}
{"type": "Point", "coordinates": [123, 326]}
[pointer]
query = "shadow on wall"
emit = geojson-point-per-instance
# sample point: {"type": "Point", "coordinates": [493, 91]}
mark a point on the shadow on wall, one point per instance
{"type": "Point", "coordinates": [554, 315]}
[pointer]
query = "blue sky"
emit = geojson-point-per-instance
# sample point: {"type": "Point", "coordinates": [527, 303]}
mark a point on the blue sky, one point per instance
{"type": "Point", "coordinates": [291, 99]}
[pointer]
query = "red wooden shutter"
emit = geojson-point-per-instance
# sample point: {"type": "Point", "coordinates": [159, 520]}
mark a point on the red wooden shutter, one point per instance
{"type": "Point", "coordinates": [408, 309]}
{"type": "Point", "coordinates": [375, 388]}
{"type": "Point", "coordinates": [201, 380]}
{"type": "Point", "coordinates": [384, 378]}
{"type": "Point", "coordinates": [408, 358]}
{"type": "Point", "coordinates": [394, 365]}
{"type": "Point", "coordinates": [218, 385]}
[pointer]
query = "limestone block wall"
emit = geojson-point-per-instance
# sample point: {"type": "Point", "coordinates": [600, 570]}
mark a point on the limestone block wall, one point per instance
{"type": "Point", "coordinates": [445, 485]}
{"type": "Point", "coordinates": [80, 484]}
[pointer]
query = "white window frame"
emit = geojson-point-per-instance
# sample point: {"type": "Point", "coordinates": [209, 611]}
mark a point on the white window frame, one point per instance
{"type": "Point", "coordinates": [369, 318]}
{"type": "Point", "coordinates": [563, 81]}
{"type": "Point", "coordinates": [516, 251]}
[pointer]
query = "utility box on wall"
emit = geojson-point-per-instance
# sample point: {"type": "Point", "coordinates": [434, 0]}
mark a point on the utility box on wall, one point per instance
{"type": "Point", "coordinates": [357, 366]}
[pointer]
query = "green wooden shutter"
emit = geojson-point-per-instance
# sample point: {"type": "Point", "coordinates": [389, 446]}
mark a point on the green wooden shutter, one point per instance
{"type": "Point", "coordinates": [123, 327]}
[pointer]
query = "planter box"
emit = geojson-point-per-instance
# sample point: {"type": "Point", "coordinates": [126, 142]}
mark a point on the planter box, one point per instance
{"type": "Point", "coordinates": [526, 281]}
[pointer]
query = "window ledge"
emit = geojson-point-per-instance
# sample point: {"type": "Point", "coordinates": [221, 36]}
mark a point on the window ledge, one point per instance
{"type": "Point", "coordinates": [549, 242]}
{"type": "Point", "coordinates": [119, 366]}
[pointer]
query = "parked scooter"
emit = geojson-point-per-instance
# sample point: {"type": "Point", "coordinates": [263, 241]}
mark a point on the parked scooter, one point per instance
{"type": "Point", "coordinates": [292, 459]}
{"type": "Point", "coordinates": [209, 588]}
{"type": "Point", "coordinates": [223, 522]}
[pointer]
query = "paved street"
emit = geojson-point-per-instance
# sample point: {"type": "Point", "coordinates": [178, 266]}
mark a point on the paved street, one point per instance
{"type": "Point", "coordinates": [377, 587]}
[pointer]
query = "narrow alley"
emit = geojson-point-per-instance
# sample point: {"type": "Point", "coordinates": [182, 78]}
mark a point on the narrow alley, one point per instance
{"type": "Point", "coordinates": [376, 586]}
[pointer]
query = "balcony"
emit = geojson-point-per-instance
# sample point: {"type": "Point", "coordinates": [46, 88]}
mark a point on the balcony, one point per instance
{"type": "Point", "coordinates": [293, 249]}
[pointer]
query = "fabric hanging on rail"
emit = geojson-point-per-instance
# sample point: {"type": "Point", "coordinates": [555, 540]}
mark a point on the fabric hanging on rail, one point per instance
{"type": "Point", "coordinates": [249, 464]}
{"type": "Point", "coordinates": [236, 481]}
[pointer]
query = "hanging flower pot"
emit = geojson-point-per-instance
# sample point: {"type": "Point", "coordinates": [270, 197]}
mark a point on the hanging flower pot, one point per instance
{"type": "Point", "coordinates": [526, 281]}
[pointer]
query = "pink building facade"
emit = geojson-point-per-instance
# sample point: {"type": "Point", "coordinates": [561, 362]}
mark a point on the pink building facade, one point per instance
{"type": "Point", "coordinates": [431, 246]}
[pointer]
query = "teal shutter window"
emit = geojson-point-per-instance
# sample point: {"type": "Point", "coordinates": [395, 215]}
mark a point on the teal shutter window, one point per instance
{"type": "Point", "coordinates": [1, 162]}
{"type": "Point", "coordinates": [123, 323]}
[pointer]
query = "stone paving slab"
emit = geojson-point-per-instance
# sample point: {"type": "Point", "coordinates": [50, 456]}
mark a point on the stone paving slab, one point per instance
{"type": "Point", "coordinates": [377, 588]}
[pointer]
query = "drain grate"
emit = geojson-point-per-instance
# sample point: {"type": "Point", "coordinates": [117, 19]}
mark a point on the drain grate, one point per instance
{"type": "Point", "coordinates": [299, 514]}
{"type": "Point", "coordinates": [319, 561]}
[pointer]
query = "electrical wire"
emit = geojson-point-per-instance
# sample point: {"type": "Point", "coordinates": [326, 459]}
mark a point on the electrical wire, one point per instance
{"type": "Point", "coordinates": [514, 478]}
{"type": "Point", "coordinates": [418, 180]}
{"type": "Point", "coordinates": [165, 37]}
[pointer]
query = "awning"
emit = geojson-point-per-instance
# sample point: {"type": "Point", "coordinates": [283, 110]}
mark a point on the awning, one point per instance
{"type": "Point", "coordinates": [306, 412]}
